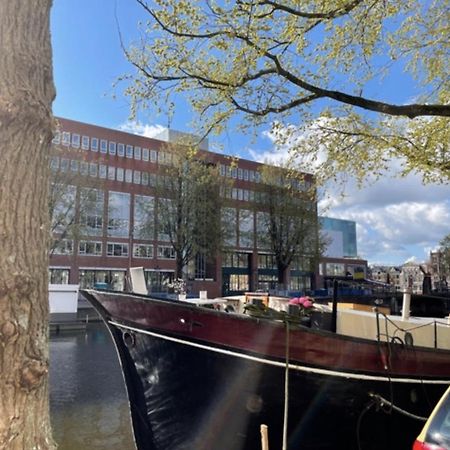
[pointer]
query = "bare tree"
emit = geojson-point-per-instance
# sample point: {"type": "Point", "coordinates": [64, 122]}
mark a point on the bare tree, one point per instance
{"type": "Point", "coordinates": [289, 219]}
{"type": "Point", "coordinates": [188, 205]}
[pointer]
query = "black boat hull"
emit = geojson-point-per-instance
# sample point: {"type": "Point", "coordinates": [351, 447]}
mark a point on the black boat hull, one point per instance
{"type": "Point", "coordinates": [186, 397]}
{"type": "Point", "coordinates": [191, 393]}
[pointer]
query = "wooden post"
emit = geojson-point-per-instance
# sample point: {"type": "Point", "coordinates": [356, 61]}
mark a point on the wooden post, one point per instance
{"type": "Point", "coordinates": [264, 437]}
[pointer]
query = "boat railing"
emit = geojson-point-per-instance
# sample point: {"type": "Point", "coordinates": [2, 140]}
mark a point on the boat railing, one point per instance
{"type": "Point", "coordinates": [395, 332]}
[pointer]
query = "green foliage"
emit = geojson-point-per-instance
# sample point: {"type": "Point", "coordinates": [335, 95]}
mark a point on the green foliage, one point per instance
{"type": "Point", "coordinates": [273, 60]}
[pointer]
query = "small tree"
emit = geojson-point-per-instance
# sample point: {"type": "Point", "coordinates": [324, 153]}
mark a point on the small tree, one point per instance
{"type": "Point", "coordinates": [188, 205]}
{"type": "Point", "coordinates": [290, 218]}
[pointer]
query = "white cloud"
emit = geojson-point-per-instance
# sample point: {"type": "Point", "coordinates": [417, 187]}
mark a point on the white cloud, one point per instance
{"type": "Point", "coordinates": [141, 129]}
{"type": "Point", "coordinates": [398, 219]}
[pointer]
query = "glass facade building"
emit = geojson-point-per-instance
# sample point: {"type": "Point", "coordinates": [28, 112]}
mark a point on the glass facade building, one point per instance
{"type": "Point", "coordinates": [342, 234]}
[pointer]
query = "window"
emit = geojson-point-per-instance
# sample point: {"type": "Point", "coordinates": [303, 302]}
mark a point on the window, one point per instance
{"type": "Point", "coordinates": [229, 224]}
{"type": "Point", "coordinates": [57, 138]}
{"type": "Point", "coordinates": [137, 177]}
{"type": "Point", "coordinates": [111, 173]}
{"type": "Point", "coordinates": [237, 260]}
{"type": "Point", "coordinates": [63, 211]}
{"type": "Point", "coordinates": [143, 251]}
{"type": "Point", "coordinates": [262, 230]}
{"type": "Point", "coordinates": [144, 217]}
{"type": "Point", "coordinates": [93, 170]}
{"type": "Point", "coordinates": [129, 153]}
{"type": "Point", "coordinates": [85, 142]}
{"type": "Point", "coordinates": [119, 174]}
{"type": "Point", "coordinates": [91, 211]}
{"type": "Point", "coordinates": [153, 156]}
{"type": "Point", "coordinates": [75, 140]}
{"type": "Point", "coordinates": [161, 157]}
{"type": "Point", "coordinates": [137, 153]}
{"type": "Point", "coordinates": [239, 283]}
{"type": "Point", "coordinates": [246, 174]}
{"type": "Point", "coordinates": [103, 146]}
{"type": "Point", "coordinates": [74, 166]}
{"type": "Point", "coordinates": [223, 170]}
{"type": "Point", "coordinates": [84, 168]}
{"type": "Point", "coordinates": [245, 228]}
{"type": "Point", "coordinates": [90, 248]}
{"type": "Point", "coordinates": [257, 177]}
{"type": "Point", "coordinates": [113, 279]}
{"type": "Point", "coordinates": [266, 261]}
{"type": "Point", "coordinates": [300, 283]}
{"type": "Point", "coordinates": [240, 174]}
{"type": "Point", "coordinates": [152, 179]}
{"type": "Point", "coordinates": [252, 175]}
{"type": "Point", "coordinates": [94, 144]}
{"type": "Point", "coordinates": [66, 138]}
{"type": "Point", "coordinates": [58, 276]}
{"type": "Point", "coordinates": [335, 269]}
{"type": "Point", "coordinates": [166, 252]}
{"type": "Point", "coordinates": [118, 214]}
{"type": "Point", "coordinates": [117, 249]}
{"type": "Point", "coordinates": [112, 148]}
{"type": "Point", "coordinates": [144, 179]}
{"type": "Point", "coordinates": [121, 149]}
{"type": "Point", "coordinates": [62, 247]}
{"type": "Point", "coordinates": [64, 165]}
{"type": "Point", "coordinates": [102, 171]}
{"type": "Point", "coordinates": [145, 154]}
{"type": "Point", "coordinates": [234, 172]}
{"type": "Point", "coordinates": [128, 175]}
{"type": "Point", "coordinates": [54, 163]}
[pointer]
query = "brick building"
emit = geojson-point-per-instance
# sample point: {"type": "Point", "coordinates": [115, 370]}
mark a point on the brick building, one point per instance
{"type": "Point", "coordinates": [113, 177]}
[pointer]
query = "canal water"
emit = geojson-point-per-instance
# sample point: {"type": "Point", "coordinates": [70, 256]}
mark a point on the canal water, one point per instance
{"type": "Point", "coordinates": [88, 404]}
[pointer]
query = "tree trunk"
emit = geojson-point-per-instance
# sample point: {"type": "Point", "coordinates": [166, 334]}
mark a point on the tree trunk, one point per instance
{"type": "Point", "coordinates": [26, 94]}
{"type": "Point", "coordinates": [282, 272]}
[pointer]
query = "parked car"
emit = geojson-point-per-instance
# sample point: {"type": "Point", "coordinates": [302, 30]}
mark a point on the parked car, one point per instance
{"type": "Point", "coordinates": [435, 434]}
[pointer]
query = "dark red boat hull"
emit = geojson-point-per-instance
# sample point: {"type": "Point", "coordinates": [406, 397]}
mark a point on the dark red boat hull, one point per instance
{"type": "Point", "coordinates": [201, 379]}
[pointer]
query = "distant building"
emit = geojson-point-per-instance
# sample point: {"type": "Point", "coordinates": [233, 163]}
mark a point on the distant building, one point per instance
{"type": "Point", "coordinates": [340, 260]}
{"type": "Point", "coordinates": [440, 275]}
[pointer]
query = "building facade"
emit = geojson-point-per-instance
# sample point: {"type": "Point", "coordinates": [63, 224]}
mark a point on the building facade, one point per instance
{"type": "Point", "coordinates": [340, 259]}
{"type": "Point", "coordinates": [105, 185]}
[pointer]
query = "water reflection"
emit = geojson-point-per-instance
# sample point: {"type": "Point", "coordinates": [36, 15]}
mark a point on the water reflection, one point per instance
{"type": "Point", "coordinates": [88, 403]}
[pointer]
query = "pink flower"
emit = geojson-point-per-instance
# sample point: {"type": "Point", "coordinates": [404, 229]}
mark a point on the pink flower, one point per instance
{"type": "Point", "coordinates": [307, 303]}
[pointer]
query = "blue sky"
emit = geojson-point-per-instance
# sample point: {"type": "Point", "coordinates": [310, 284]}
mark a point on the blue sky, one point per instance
{"type": "Point", "coordinates": [397, 220]}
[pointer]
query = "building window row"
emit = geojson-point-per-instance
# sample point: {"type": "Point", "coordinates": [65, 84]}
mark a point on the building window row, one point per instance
{"type": "Point", "coordinates": [104, 171]}
{"type": "Point", "coordinates": [240, 174]}
{"type": "Point", "coordinates": [112, 148]}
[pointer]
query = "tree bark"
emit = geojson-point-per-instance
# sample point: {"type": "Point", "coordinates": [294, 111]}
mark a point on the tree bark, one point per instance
{"type": "Point", "coordinates": [26, 94]}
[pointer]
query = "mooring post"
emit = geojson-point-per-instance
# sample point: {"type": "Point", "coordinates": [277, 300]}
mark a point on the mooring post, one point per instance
{"type": "Point", "coordinates": [264, 437]}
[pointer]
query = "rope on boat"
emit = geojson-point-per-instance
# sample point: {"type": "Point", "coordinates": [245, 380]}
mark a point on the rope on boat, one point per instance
{"type": "Point", "coordinates": [382, 401]}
